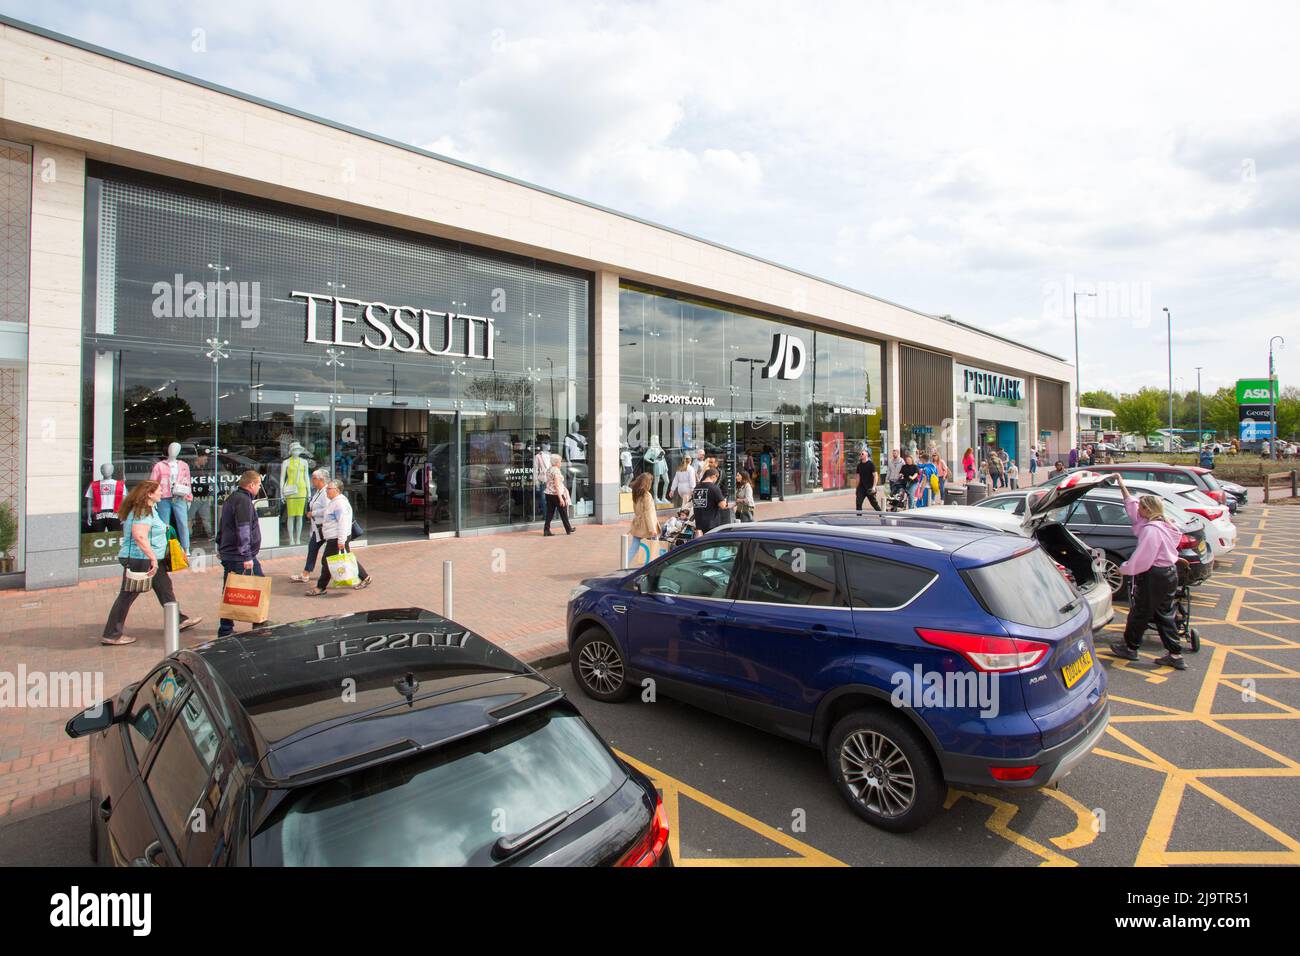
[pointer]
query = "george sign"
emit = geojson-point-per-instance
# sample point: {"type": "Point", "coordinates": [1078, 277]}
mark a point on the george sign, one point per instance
{"type": "Point", "coordinates": [994, 385]}
{"type": "Point", "coordinates": [1255, 413]}
{"type": "Point", "coordinates": [789, 356]}
{"type": "Point", "coordinates": [401, 328]}
{"type": "Point", "coordinates": [1255, 391]}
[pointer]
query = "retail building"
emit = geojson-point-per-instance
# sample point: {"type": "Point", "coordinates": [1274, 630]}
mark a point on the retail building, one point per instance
{"type": "Point", "coordinates": [191, 274]}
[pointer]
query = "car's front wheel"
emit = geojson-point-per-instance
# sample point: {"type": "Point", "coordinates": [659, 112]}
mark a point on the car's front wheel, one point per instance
{"type": "Point", "coordinates": [598, 666]}
{"type": "Point", "coordinates": [885, 770]}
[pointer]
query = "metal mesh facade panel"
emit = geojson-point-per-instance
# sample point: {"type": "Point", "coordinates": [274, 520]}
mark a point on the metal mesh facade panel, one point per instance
{"type": "Point", "coordinates": [1051, 405]}
{"type": "Point", "coordinates": [925, 385]}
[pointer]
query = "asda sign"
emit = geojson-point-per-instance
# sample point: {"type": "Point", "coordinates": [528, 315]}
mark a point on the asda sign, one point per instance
{"type": "Point", "coordinates": [1256, 391]}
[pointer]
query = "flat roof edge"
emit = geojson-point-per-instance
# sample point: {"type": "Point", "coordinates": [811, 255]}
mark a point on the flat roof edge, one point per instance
{"type": "Point", "coordinates": [376, 137]}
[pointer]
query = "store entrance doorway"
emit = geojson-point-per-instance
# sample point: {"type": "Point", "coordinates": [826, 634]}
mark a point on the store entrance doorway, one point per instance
{"type": "Point", "coordinates": [409, 482]}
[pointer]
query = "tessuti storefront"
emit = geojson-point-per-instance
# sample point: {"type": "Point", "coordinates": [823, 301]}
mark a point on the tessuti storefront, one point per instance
{"type": "Point", "coordinates": [791, 405]}
{"type": "Point", "coordinates": [228, 333]}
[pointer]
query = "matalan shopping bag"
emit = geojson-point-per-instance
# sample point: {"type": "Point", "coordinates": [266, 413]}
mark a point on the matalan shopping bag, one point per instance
{"type": "Point", "coordinates": [246, 597]}
{"type": "Point", "coordinates": [343, 569]}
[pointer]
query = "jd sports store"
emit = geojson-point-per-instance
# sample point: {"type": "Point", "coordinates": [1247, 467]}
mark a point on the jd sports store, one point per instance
{"type": "Point", "coordinates": [241, 334]}
{"type": "Point", "coordinates": [789, 405]}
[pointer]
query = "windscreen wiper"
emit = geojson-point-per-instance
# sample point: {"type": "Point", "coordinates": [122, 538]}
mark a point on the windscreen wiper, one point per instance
{"type": "Point", "coordinates": [508, 846]}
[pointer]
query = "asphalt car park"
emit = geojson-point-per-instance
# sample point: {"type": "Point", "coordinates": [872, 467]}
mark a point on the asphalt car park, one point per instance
{"type": "Point", "coordinates": [1198, 767]}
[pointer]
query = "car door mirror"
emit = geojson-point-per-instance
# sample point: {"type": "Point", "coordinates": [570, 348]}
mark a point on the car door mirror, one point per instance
{"type": "Point", "coordinates": [92, 720]}
{"type": "Point", "coordinates": [640, 585]}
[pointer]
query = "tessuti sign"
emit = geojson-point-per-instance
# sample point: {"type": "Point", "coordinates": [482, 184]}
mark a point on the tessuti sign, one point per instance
{"type": "Point", "coordinates": [403, 328]}
{"type": "Point", "coordinates": [991, 384]}
{"type": "Point", "coordinates": [1256, 391]}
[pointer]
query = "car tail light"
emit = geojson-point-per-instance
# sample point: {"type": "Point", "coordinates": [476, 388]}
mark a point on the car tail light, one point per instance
{"type": "Point", "coordinates": [1209, 514]}
{"type": "Point", "coordinates": [1185, 542]}
{"type": "Point", "coordinates": [1218, 496]}
{"type": "Point", "coordinates": [1013, 773]}
{"type": "Point", "coordinates": [650, 847]}
{"type": "Point", "coordinates": [986, 651]}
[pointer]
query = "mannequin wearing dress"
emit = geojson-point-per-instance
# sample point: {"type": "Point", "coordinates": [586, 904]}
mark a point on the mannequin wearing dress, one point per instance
{"type": "Point", "coordinates": [658, 462]}
{"type": "Point", "coordinates": [811, 470]}
{"type": "Point", "coordinates": [575, 452]}
{"type": "Point", "coordinates": [173, 477]}
{"type": "Point", "coordinates": [293, 488]}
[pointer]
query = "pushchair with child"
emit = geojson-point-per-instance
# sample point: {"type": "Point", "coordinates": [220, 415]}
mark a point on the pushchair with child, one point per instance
{"type": "Point", "coordinates": [1187, 634]}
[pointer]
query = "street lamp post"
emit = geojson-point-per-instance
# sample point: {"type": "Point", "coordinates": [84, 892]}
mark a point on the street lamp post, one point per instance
{"type": "Point", "coordinates": [1272, 396]}
{"type": "Point", "coordinates": [1169, 439]}
{"type": "Point", "coordinates": [1200, 437]}
{"type": "Point", "coordinates": [1076, 363]}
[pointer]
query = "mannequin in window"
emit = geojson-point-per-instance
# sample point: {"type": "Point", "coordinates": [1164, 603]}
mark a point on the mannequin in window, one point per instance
{"type": "Point", "coordinates": [658, 462]}
{"type": "Point", "coordinates": [575, 454]}
{"type": "Point", "coordinates": [811, 469]}
{"type": "Point", "coordinates": [103, 498]}
{"type": "Point", "coordinates": [173, 477]}
{"type": "Point", "coordinates": [625, 468]}
{"type": "Point", "coordinates": [293, 489]}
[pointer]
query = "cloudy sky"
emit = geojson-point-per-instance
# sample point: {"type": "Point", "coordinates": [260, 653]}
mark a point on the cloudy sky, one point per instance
{"type": "Point", "coordinates": [984, 160]}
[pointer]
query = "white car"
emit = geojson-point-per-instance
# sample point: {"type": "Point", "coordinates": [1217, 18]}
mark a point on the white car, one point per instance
{"type": "Point", "coordinates": [1193, 506]}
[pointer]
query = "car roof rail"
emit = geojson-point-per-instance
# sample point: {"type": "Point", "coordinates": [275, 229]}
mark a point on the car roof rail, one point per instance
{"type": "Point", "coordinates": [845, 531]}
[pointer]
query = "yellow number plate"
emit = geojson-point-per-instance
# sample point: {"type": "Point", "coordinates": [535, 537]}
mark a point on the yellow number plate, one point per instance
{"type": "Point", "coordinates": [1074, 670]}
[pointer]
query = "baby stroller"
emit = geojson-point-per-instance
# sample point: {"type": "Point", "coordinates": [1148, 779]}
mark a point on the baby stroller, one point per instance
{"type": "Point", "coordinates": [897, 500]}
{"type": "Point", "coordinates": [682, 535]}
{"type": "Point", "coordinates": [1187, 634]}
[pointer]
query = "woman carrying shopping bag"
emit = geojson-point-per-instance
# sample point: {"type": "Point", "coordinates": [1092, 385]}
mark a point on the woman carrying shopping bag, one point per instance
{"type": "Point", "coordinates": [645, 521]}
{"type": "Point", "coordinates": [744, 497]}
{"type": "Point", "coordinates": [337, 526]}
{"type": "Point", "coordinates": [143, 560]}
{"type": "Point", "coordinates": [316, 502]}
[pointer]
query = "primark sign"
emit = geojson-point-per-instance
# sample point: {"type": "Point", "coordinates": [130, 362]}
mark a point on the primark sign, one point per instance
{"type": "Point", "coordinates": [994, 385]}
{"type": "Point", "coordinates": [352, 323]}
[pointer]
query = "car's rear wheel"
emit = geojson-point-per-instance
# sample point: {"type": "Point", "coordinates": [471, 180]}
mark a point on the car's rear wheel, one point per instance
{"type": "Point", "coordinates": [885, 770]}
{"type": "Point", "coordinates": [1118, 582]}
{"type": "Point", "coordinates": [598, 666]}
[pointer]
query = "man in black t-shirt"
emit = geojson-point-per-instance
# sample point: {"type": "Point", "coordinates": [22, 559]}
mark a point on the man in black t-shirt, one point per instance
{"type": "Point", "coordinates": [908, 475]}
{"type": "Point", "coordinates": [708, 501]}
{"type": "Point", "coordinates": [866, 480]}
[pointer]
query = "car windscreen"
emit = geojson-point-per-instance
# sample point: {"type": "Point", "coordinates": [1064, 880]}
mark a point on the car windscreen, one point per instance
{"type": "Point", "coordinates": [448, 807]}
{"type": "Point", "coordinates": [1026, 589]}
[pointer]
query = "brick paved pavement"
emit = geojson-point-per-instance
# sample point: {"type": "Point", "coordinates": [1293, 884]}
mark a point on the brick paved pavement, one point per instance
{"type": "Point", "coordinates": [520, 605]}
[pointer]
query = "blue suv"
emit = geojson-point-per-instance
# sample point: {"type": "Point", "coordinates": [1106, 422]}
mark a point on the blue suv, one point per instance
{"type": "Point", "coordinates": [912, 657]}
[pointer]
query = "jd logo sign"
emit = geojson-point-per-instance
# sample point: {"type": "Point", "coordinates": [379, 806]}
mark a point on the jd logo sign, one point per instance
{"type": "Point", "coordinates": [788, 357]}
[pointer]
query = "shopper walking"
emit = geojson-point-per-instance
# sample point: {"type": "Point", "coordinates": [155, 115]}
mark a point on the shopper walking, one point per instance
{"type": "Point", "coordinates": [239, 537]}
{"type": "Point", "coordinates": [316, 502]}
{"type": "Point", "coordinates": [893, 472]}
{"type": "Point", "coordinates": [144, 549]}
{"type": "Point", "coordinates": [941, 470]}
{"type": "Point", "coordinates": [645, 522]}
{"type": "Point", "coordinates": [909, 477]}
{"type": "Point", "coordinates": [968, 464]}
{"type": "Point", "coordinates": [557, 497]}
{"type": "Point", "coordinates": [1074, 457]}
{"type": "Point", "coordinates": [867, 478]}
{"type": "Point", "coordinates": [1033, 467]}
{"type": "Point", "coordinates": [995, 468]}
{"type": "Point", "coordinates": [929, 481]}
{"type": "Point", "coordinates": [709, 502]}
{"type": "Point", "coordinates": [683, 483]}
{"type": "Point", "coordinates": [744, 497]}
{"type": "Point", "coordinates": [1013, 474]}
{"type": "Point", "coordinates": [1155, 579]}
{"type": "Point", "coordinates": [336, 528]}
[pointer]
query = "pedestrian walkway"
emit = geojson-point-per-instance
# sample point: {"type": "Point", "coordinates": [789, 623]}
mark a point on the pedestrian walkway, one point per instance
{"type": "Point", "coordinates": [511, 588]}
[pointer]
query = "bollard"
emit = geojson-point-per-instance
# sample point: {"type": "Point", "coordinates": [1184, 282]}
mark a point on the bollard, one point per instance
{"type": "Point", "coordinates": [171, 627]}
{"type": "Point", "coordinates": [447, 610]}
{"type": "Point", "coordinates": [624, 542]}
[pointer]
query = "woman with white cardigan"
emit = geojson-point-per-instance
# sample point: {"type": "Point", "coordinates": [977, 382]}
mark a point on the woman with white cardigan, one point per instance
{"type": "Point", "coordinates": [684, 480]}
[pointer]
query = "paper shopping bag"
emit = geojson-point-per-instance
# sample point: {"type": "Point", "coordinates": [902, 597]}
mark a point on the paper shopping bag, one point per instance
{"type": "Point", "coordinates": [343, 569]}
{"type": "Point", "coordinates": [176, 560]}
{"type": "Point", "coordinates": [647, 551]}
{"type": "Point", "coordinates": [246, 597]}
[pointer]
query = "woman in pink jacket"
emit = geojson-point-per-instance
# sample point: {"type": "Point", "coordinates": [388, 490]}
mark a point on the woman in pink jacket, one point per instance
{"type": "Point", "coordinates": [1155, 579]}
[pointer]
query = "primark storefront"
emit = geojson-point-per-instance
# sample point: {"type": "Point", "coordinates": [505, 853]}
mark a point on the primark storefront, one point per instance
{"type": "Point", "coordinates": [228, 333]}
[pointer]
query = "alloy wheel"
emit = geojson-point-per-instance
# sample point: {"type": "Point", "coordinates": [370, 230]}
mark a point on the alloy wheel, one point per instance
{"type": "Point", "coordinates": [877, 773]}
{"type": "Point", "coordinates": [1113, 577]}
{"type": "Point", "coordinates": [601, 667]}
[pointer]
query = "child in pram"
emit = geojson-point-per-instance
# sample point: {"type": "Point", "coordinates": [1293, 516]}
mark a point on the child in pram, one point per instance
{"type": "Point", "coordinates": [678, 529]}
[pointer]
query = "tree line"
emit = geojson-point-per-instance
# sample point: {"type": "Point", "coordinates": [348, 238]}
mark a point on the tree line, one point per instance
{"type": "Point", "coordinates": [1144, 411]}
